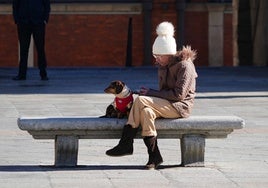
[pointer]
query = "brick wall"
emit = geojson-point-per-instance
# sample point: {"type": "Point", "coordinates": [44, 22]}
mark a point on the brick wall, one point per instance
{"type": "Point", "coordinates": [92, 40]}
{"type": "Point", "coordinates": [196, 27]}
{"type": "Point", "coordinates": [8, 42]}
{"type": "Point", "coordinates": [101, 39]}
{"type": "Point", "coordinates": [196, 35]}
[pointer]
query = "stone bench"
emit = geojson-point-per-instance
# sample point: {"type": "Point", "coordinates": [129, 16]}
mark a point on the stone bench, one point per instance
{"type": "Point", "coordinates": [66, 131]}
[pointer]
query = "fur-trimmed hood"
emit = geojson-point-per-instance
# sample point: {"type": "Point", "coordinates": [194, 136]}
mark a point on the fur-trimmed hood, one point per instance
{"type": "Point", "coordinates": [186, 53]}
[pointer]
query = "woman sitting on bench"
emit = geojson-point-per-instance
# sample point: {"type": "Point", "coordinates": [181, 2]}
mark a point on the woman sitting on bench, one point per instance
{"type": "Point", "coordinates": [174, 99]}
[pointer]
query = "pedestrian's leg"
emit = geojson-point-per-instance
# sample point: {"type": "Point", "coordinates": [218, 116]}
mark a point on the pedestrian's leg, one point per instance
{"type": "Point", "coordinates": [39, 40]}
{"type": "Point", "coordinates": [24, 34]}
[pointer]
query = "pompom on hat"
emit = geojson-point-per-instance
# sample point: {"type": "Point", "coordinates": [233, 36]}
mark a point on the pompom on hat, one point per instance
{"type": "Point", "coordinates": [165, 43]}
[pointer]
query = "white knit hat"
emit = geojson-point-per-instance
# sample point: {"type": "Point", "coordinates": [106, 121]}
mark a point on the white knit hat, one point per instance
{"type": "Point", "coordinates": [165, 43]}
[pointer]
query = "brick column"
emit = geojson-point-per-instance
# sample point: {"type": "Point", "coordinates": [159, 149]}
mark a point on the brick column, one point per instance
{"type": "Point", "coordinates": [215, 34]}
{"type": "Point", "coordinates": [235, 35]}
{"type": "Point", "coordinates": [147, 30]}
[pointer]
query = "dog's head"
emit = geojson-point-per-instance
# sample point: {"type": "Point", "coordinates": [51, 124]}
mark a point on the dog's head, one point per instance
{"type": "Point", "coordinates": [115, 87]}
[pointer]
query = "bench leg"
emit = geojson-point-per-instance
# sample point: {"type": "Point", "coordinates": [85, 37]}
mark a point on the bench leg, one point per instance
{"type": "Point", "coordinates": [66, 151]}
{"type": "Point", "coordinates": [192, 150]}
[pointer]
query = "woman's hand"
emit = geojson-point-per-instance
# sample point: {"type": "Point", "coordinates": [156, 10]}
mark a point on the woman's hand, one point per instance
{"type": "Point", "coordinates": [144, 90]}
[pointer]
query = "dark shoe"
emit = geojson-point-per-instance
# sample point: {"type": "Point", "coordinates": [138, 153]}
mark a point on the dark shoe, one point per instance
{"type": "Point", "coordinates": [120, 150]}
{"type": "Point", "coordinates": [153, 165]}
{"type": "Point", "coordinates": [155, 158]}
{"type": "Point", "coordinates": [19, 78]}
{"type": "Point", "coordinates": [44, 78]}
{"type": "Point", "coordinates": [125, 145]}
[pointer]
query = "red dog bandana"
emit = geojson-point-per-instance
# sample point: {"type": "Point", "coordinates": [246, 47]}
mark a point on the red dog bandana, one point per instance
{"type": "Point", "coordinates": [122, 103]}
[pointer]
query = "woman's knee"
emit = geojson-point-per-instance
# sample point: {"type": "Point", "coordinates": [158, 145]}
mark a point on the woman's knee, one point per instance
{"type": "Point", "coordinates": [142, 100]}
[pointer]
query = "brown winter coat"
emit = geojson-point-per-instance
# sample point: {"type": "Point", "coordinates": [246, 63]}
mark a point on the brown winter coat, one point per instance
{"type": "Point", "coordinates": [177, 84]}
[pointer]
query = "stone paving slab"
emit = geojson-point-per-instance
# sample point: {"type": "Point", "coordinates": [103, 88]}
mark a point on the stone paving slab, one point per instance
{"type": "Point", "coordinates": [241, 160]}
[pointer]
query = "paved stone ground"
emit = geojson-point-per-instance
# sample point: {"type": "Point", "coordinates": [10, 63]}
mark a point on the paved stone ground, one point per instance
{"type": "Point", "coordinates": [241, 160]}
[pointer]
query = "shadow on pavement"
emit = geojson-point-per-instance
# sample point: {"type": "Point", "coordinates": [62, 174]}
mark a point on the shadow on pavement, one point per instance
{"type": "Point", "coordinates": [40, 168]}
{"type": "Point", "coordinates": [94, 80]}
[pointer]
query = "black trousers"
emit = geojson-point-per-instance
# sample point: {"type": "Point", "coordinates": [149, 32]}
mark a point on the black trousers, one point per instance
{"type": "Point", "coordinates": [25, 31]}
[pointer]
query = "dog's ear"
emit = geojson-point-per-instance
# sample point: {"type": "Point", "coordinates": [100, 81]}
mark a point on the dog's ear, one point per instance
{"type": "Point", "coordinates": [123, 83]}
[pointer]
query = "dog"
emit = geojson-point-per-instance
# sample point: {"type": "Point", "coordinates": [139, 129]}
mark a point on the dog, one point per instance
{"type": "Point", "coordinates": [123, 101]}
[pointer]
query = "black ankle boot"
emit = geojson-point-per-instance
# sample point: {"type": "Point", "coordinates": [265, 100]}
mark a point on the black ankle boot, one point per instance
{"type": "Point", "coordinates": [125, 145]}
{"type": "Point", "coordinates": [155, 158]}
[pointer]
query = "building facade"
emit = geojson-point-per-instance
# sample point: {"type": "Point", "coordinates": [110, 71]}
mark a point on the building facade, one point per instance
{"type": "Point", "coordinates": [121, 33]}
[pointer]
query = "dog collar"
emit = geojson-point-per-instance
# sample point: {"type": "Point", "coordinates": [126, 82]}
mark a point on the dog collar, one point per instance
{"type": "Point", "coordinates": [124, 93]}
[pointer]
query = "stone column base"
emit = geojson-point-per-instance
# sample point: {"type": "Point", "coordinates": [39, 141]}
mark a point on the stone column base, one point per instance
{"type": "Point", "coordinates": [192, 150]}
{"type": "Point", "coordinates": [66, 151]}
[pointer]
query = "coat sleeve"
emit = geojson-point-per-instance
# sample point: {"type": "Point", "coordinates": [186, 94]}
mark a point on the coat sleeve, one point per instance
{"type": "Point", "coordinates": [15, 9]}
{"type": "Point", "coordinates": [47, 9]}
{"type": "Point", "coordinates": [183, 84]}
